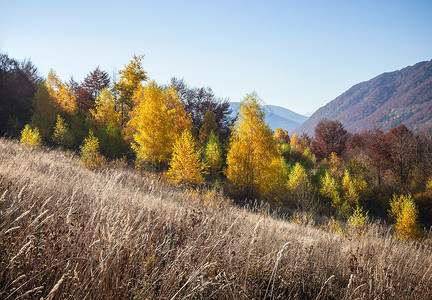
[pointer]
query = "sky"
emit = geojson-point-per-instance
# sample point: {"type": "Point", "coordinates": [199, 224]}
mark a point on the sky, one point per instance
{"type": "Point", "coordinates": [296, 54]}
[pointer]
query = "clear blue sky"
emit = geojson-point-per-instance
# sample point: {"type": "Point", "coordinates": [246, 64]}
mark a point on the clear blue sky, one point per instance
{"type": "Point", "coordinates": [296, 54]}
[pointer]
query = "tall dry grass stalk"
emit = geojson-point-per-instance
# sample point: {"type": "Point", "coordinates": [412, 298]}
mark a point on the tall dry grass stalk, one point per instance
{"type": "Point", "coordinates": [69, 232]}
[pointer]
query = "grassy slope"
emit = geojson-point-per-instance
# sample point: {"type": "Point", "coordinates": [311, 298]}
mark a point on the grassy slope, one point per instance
{"type": "Point", "coordinates": [66, 231]}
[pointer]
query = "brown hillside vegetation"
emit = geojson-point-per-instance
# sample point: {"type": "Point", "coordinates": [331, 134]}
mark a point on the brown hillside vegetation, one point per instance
{"type": "Point", "coordinates": [69, 232]}
{"type": "Point", "coordinates": [389, 99]}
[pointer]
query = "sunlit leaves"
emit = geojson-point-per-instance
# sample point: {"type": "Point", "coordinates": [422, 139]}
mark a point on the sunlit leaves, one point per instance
{"type": "Point", "coordinates": [30, 137]}
{"type": "Point", "coordinates": [186, 167]}
{"type": "Point", "coordinates": [253, 159]}
{"type": "Point", "coordinates": [90, 155]}
{"type": "Point", "coordinates": [405, 212]}
{"type": "Point", "coordinates": [158, 121]}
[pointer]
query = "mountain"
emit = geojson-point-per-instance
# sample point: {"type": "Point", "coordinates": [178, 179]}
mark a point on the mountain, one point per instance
{"type": "Point", "coordinates": [276, 116]}
{"type": "Point", "coordinates": [390, 99]}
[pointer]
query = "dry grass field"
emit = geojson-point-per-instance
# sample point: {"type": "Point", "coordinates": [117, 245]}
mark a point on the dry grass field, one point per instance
{"type": "Point", "coordinates": [69, 232]}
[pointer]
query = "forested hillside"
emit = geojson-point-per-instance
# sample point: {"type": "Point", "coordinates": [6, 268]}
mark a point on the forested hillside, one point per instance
{"type": "Point", "coordinates": [129, 188]}
{"type": "Point", "coordinates": [390, 99]}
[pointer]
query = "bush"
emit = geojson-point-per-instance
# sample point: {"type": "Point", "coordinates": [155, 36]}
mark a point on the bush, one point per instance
{"type": "Point", "coordinates": [62, 135]}
{"type": "Point", "coordinates": [31, 137]}
{"type": "Point", "coordinates": [90, 155]}
{"type": "Point", "coordinates": [405, 211]}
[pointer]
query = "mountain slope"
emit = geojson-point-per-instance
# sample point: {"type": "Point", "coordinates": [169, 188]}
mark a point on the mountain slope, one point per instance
{"type": "Point", "coordinates": [393, 98]}
{"type": "Point", "coordinates": [276, 116]}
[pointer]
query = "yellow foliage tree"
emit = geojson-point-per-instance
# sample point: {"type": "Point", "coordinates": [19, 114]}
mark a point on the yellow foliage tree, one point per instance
{"type": "Point", "coordinates": [104, 111]}
{"type": "Point", "coordinates": [213, 155]}
{"type": "Point", "coordinates": [62, 135]}
{"type": "Point", "coordinates": [282, 136]}
{"type": "Point", "coordinates": [405, 211]}
{"type": "Point", "coordinates": [129, 83]}
{"type": "Point", "coordinates": [158, 121]}
{"type": "Point", "coordinates": [254, 163]}
{"type": "Point", "coordinates": [186, 167]}
{"type": "Point", "coordinates": [30, 137]}
{"type": "Point", "coordinates": [62, 94]}
{"type": "Point", "coordinates": [90, 155]}
{"type": "Point", "coordinates": [300, 187]}
{"type": "Point", "coordinates": [336, 166]}
{"type": "Point", "coordinates": [330, 189]}
{"type": "Point", "coordinates": [429, 186]}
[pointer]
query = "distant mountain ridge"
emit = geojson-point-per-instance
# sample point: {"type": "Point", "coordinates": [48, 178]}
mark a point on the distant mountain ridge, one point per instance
{"type": "Point", "coordinates": [276, 116]}
{"type": "Point", "coordinates": [389, 99]}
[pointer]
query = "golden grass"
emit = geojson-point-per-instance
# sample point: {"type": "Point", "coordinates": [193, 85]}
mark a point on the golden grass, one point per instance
{"type": "Point", "coordinates": [69, 232]}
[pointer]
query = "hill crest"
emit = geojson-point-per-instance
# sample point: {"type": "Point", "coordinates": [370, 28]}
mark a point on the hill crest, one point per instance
{"type": "Point", "coordinates": [276, 116]}
{"type": "Point", "coordinates": [387, 100]}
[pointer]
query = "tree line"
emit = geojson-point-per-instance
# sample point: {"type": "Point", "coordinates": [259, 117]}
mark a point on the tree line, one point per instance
{"type": "Point", "coordinates": [188, 136]}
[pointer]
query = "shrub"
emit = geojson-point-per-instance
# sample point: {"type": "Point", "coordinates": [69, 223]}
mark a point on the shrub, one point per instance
{"type": "Point", "coordinates": [358, 222]}
{"type": "Point", "coordinates": [31, 137]}
{"type": "Point", "coordinates": [405, 211]}
{"type": "Point", "coordinates": [62, 135]}
{"type": "Point", "coordinates": [90, 155]}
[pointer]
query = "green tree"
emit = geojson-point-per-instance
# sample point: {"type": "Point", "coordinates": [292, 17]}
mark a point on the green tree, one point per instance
{"type": "Point", "coordinates": [300, 187]}
{"type": "Point", "coordinates": [45, 112]}
{"type": "Point", "coordinates": [213, 155]}
{"type": "Point", "coordinates": [104, 111]}
{"type": "Point", "coordinates": [254, 163]}
{"type": "Point", "coordinates": [62, 135]}
{"type": "Point", "coordinates": [186, 167]}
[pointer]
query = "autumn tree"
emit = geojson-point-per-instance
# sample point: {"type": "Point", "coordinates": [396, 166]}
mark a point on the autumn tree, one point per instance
{"type": "Point", "coordinates": [30, 137]}
{"type": "Point", "coordinates": [104, 111]}
{"type": "Point", "coordinates": [329, 189]}
{"type": "Point", "coordinates": [62, 94]}
{"type": "Point", "coordinates": [198, 100]}
{"type": "Point", "coordinates": [209, 125]}
{"type": "Point", "coordinates": [131, 78]}
{"type": "Point", "coordinates": [96, 82]}
{"type": "Point", "coordinates": [282, 136]}
{"type": "Point", "coordinates": [213, 155]}
{"type": "Point", "coordinates": [186, 167]}
{"type": "Point", "coordinates": [403, 153]}
{"type": "Point", "coordinates": [90, 155]}
{"type": "Point", "coordinates": [45, 112]}
{"type": "Point", "coordinates": [93, 84]}
{"type": "Point", "coordinates": [330, 136]}
{"type": "Point", "coordinates": [254, 164]}
{"type": "Point", "coordinates": [18, 84]}
{"type": "Point", "coordinates": [379, 150]}
{"type": "Point", "coordinates": [300, 187]}
{"type": "Point", "coordinates": [158, 121]}
{"type": "Point", "coordinates": [62, 135]}
{"type": "Point", "coordinates": [405, 212]}
{"type": "Point", "coordinates": [295, 144]}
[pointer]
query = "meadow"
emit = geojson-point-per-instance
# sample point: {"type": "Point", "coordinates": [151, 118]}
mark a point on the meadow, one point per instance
{"type": "Point", "coordinates": [70, 232]}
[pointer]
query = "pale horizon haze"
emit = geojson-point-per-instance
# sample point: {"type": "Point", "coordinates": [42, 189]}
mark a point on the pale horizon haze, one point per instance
{"type": "Point", "coordinates": [296, 54]}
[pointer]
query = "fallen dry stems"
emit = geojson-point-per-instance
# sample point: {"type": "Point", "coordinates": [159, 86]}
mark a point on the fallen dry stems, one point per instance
{"type": "Point", "coordinates": [68, 232]}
